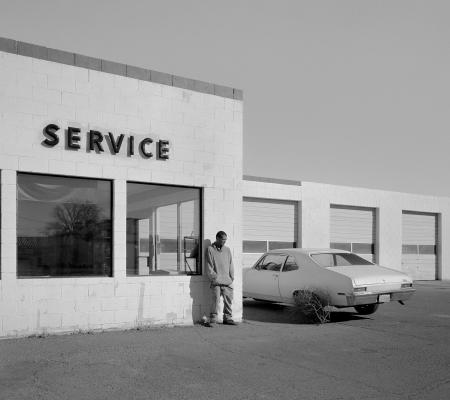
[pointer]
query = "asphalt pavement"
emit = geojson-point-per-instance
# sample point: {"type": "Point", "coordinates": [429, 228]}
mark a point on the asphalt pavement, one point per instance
{"type": "Point", "coordinates": [400, 352]}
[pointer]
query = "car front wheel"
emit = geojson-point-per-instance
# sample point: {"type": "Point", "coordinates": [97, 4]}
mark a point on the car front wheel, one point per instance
{"type": "Point", "coordinates": [367, 309]}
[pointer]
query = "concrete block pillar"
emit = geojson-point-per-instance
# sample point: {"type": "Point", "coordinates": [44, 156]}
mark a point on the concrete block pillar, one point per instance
{"type": "Point", "coordinates": [389, 235]}
{"type": "Point", "coordinates": [315, 216]}
{"type": "Point", "coordinates": [119, 228]}
{"type": "Point", "coordinates": [299, 224]}
{"type": "Point", "coordinates": [8, 225]}
{"type": "Point", "coordinates": [444, 249]}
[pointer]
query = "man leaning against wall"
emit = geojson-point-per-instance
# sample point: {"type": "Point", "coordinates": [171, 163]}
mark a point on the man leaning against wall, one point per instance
{"type": "Point", "coordinates": [220, 270]}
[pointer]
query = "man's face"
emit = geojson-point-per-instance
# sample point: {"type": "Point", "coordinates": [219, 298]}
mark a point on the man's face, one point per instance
{"type": "Point", "coordinates": [220, 241]}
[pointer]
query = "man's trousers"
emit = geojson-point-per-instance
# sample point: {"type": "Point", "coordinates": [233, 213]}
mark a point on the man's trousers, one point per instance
{"type": "Point", "coordinates": [227, 294]}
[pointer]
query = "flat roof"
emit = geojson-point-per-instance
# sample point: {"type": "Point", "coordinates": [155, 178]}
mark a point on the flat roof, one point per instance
{"type": "Point", "coordinates": [111, 67]}
{"type": "Point", "coordinates": [271, 180]}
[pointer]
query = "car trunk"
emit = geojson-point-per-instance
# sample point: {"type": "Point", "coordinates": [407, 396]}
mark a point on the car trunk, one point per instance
{"type": "Point", "coordinates": [370, 274]}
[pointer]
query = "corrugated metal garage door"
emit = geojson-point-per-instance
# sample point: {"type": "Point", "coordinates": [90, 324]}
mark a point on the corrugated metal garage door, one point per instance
{"type": "Point", "coordinates": [419, 245]}
{"type": "Point", "coordinates": [267, 225]}
{"type": "Point", "coordinates": [353, 229]}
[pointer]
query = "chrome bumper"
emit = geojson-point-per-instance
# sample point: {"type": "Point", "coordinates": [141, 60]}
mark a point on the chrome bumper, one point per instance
{"type": "Point", "coordinates": [379, 297]}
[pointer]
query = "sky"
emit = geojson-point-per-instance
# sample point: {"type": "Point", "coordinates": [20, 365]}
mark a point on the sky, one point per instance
{"type": "Point", "coordinates": [348, 92]}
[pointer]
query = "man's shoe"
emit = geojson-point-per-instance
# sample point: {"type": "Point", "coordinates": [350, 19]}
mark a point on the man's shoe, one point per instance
{"type": "Point", "coordinates": [208, 322]}
{"type": "Point", "coordinates": [229, 322]}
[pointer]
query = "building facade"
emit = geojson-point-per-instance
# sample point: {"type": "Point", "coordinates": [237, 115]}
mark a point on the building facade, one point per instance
{"type": "Point", "coordinates": [402, 231]}
{"type": "Point", "coordinates": [114, 178]}
{"type": "Point", "coordinates": [111, 176]}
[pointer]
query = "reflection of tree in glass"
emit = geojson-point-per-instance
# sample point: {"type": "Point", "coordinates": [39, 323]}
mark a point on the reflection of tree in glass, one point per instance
{"type": "Point", "coordinates": [77, 219]}
{"type": "Point", "coordinates": [75, 238]}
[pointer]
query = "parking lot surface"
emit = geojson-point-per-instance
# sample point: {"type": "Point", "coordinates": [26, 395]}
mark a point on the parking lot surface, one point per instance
{"type": "Point", "coordinates": [400, 352]}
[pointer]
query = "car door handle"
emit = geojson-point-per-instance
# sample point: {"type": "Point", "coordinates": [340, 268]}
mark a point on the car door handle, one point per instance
{"type": "Point", "coordinates": [275, 275]}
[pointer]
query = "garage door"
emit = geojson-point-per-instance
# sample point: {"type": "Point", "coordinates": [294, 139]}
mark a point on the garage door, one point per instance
{"type": "Point", "coordinates": [419, 245]}
{"type": "Point", "coordinates": [353, 229]}
{"type": "Point", "coordinates": [267, 225]}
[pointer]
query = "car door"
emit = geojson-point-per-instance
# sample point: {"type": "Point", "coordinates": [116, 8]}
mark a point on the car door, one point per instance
{"type": "Point", "coordinates": [290, 279]}
{"type": "Point", "coordinates": [261, 282]}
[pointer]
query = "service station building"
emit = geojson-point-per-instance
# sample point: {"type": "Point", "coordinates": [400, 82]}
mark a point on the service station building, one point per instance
{"type": "Point", "coordinates": [114, 178]}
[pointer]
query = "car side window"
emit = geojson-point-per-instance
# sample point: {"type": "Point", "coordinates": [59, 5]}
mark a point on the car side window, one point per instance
{"type": "Point", "coordinates": [290, 265]}
{"type": "Point", "coordinates": [323, 259]}
{"type": "Point", "coordinates": [271, 262]}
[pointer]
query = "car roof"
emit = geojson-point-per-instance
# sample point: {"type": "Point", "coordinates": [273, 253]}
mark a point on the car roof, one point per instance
{"type": "Point", "coordinates": [307, 250]}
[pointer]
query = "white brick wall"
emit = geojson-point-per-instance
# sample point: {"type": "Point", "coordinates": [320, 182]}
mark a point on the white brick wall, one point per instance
{"type": "Point", "coordinates": [314, 219]}
{"type": "Point", "coordinates": [34, 93]}
{"type": "Point", "coordinates": [205, 132]}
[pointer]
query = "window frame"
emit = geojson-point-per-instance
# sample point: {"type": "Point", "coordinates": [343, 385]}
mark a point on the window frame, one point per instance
{"type": "Point", "coordinates": [257, 265]}
{"type": "Point", "coordinates": [290, 270]}
{"type": "Point", "coordinates": [111, 207]}
{"type": "Point", "coordinates": [201, 261]}
{"type": "Point", "coordinates": [333, 257]}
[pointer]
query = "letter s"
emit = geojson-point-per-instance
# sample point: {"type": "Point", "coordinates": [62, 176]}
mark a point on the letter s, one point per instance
{"type": "Point", "coordinates": [52, 138]}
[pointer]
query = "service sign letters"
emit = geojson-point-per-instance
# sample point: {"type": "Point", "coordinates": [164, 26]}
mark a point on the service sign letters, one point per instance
{"type": "Point", "coordinates": [95, 141]}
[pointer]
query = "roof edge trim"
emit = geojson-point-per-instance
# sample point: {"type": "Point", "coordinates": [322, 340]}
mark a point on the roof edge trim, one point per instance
{"type": "Point", "coordinates": [271, 180]}
{"type": "Point", "coordinates": [97, 64]}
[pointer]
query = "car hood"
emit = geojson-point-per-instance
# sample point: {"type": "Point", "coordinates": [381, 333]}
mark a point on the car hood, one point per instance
{"type": "Point", "coordinates": [371, 274]}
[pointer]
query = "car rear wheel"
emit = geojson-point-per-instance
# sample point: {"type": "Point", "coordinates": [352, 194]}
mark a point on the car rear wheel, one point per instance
{"type": "Point", "coordinates": [367, 309]}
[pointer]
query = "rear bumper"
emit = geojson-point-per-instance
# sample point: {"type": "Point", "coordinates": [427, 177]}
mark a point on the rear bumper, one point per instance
{"type": "Point", "coordinates": [379, 297]}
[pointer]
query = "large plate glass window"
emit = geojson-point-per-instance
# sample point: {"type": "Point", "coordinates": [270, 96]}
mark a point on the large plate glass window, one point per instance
{"type": "Point", "coordinates": [64, 226]}
{"type": "Point", "coordinates": [163, 229]}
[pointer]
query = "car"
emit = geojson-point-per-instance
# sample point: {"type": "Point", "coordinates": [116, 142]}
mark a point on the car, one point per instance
{"type": "Point", "coordinates": [338, 277]}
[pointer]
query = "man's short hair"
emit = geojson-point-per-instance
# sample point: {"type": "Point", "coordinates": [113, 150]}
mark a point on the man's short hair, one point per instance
{"type": "Point", "coordinates": [220, 235]}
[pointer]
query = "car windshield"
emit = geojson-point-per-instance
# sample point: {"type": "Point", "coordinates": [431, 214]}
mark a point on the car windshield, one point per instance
{"type": "Point", "coordinates": [329, 260]}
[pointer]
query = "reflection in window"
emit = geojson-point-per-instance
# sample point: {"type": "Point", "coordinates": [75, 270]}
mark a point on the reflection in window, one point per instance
{"type": "Point", "coordinates": [254, 246]}
{"type": "Point", "coordinates": [323, 259]}
{"type": "Point", "coordinates": [63, 227]}
{"type": "Point", "coordinates": [341, 246]}
{"type": "Point", "coordinates": [363, 248]}
{"type": "Point", "coordinates": [163, 230]}
{"type": "Point", "coordinates": [281, 245]}
{"type": "Point", "coordinates": [290, 264]}
{"type": "Point", "coordinates": [271, 262]}
{"type": "Point", "coordinates": [359, 248]}
{"type": "Point", "coordinates": [328, 260]}
{"type": "Point", "coordinates": [418, 249]}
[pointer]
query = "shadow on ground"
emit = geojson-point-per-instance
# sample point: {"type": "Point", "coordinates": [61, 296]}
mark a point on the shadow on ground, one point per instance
{"type": "Point", "coordinates": [278, 313]}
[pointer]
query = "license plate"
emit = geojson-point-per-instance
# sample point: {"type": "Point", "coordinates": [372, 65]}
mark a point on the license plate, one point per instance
{"type": "Point", "coordinates": [384, 298]}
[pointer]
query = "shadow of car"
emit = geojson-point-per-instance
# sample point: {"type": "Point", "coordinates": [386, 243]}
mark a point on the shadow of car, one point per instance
{"type": "Point", "coordinates": [262, 311]}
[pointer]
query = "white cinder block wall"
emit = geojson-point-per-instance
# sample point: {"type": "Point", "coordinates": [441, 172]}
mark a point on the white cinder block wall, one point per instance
{"type": "Point", "coordinates": [389, 207]}
{"type": "Point", "coordinates": [205, 134]}
{"type": "Point", "coordinates": [315, 200]}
